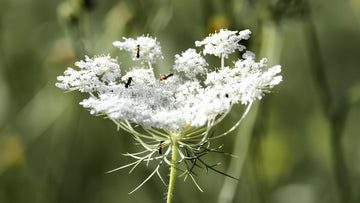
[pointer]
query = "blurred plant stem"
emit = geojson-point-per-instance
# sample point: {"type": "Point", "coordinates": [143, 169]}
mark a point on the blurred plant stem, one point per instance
{"type": "Point", "coordinates": [271, 45]}
{"type": "Point", "coordinates": [355, 5]}
{"type": "Point", "coordinates": [74, 16]}
{"type": "Point", "coordinates": [335, 112]}
{"type": "Point", "coordinates": [77, 33]}
{"type": "Point", "coordinates": [240, 148]}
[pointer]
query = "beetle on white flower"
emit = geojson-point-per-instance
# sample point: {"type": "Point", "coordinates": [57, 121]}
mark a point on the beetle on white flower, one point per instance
{"type": "Point", "coordinates": [180, 111]}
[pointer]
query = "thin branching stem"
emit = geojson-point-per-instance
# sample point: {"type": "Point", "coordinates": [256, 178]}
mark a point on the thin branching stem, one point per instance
{"type": "Point", "coordinates": [151, 68]}
{"type": "Point", "coordinates": [222, 61]}
{"type": "Point", "coordinates": [236, 124]}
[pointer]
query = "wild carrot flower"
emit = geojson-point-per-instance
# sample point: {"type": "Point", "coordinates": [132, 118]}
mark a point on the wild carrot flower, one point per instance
{"type": "Point", "coordinates": [143, 48]}
{"type": "Point", "coordinates": [172, 116]}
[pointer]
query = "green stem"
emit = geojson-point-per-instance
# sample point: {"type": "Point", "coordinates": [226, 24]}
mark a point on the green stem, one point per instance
{"type": "Point", "coordinates": [335, 111]}
{"type": "Point", "coordinates": [271, 46]}
{"type": "Point", "coordinates": [241, 146]}
{"type": "Point", "coordinates": [174, 160]}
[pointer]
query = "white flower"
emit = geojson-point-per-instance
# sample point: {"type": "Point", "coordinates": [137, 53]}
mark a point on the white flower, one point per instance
{"type": "Point", "coordinates": [248, 54]}
{"type": "Point", "coordinates": [144, 48]}
{"type": "Point", "coordinates": [190, 63]}
{"type": "Point", "coordinates": [245, 34]}
{"type": "Point", "coordinates": [178, 110]}
{"type": "Point", "coordinates": [223, 43]}
{"type": "Point", "coordinates": [180, 99]}
{"type": "Point", "coordinates": [139, 76]}
{"type": "Point", "coordinates": [95, 75]}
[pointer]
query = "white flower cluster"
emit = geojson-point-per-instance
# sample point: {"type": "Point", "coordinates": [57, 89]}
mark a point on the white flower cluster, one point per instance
{"type": "Point", "coordinates": [191, 95]}
{"type": "Point", "coordinates": [190, 63]}
{"type": "Point", "coordinates": [224, 43]}
{"type": "Point", "coordinates": [144, 48]}
{"type": "Point", "coordinates": [95, 75]}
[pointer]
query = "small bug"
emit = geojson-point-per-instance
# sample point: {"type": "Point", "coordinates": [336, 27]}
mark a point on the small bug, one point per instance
{"type": "Point", "coordinates": [138, 51]}
{"type": "Point", "coordinates": [160, 147]}
{"type": "Point", "coordinates": [128, 82]}
{"type": "Point", "coordinates": [166, 77]}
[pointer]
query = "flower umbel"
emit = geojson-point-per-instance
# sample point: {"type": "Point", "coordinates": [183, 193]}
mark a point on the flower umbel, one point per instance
{"type": "Point", "coordinates": [143, 48]}
{"type": "Point", "coordinates": [224, 43]}
{"type": "Point", "coordinates": [173, 116]}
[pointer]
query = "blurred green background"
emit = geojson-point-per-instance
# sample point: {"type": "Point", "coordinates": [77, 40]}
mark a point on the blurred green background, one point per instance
{"type": "Point", "coordinates": [300, 144]}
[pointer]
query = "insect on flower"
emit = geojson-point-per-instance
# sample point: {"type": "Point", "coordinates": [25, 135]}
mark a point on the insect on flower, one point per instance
{"type": "Point", "coordinates": [174, 121]}
{"type": "Point", "coordinates": [166, 77]}
{"type": "Point", "coordinates": [160, 147]}
{"type": "Point", "coordinates": [128, 82]}
{"type": "Point", "coordinates": [138, 51]}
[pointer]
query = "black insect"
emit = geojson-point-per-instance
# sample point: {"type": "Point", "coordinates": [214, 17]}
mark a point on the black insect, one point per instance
{"type": "Point", "coordinates": [160, 147]}
{"type": "Point", "coordinates": [227, 95]}
{"type": "Point", "coordinates": [166, 77]}
{"type": "Point", "coordinates": [138, 51]}
{"type": "Point", "coordinates": [128, 82]}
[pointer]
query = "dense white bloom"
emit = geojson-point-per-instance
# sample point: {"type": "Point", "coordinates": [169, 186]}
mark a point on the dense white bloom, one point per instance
{"type": "Point", "coordinates": [95, 75]}
{"type": "Point", "coordinates": [179, 100]}
{"type": "Point", "coordinates": [143, 48]}
{"type": "Point", "coordinates": [139, 76]}
{"type": "Point", "coordinates": [190, 63]}
{"type": "Point", "coordinates": [223, 43]}
{"type": "Point", "coordinates": [178, 110]}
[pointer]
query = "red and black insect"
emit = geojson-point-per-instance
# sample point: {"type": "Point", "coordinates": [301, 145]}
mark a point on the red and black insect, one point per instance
{"type": "Point", "coordinates": [166, 77]}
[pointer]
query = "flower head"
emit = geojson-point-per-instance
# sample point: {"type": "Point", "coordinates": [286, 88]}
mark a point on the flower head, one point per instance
{"type": "Point", "coordinates": [190, 63]}
{"type": "Point", "coordinates": [223, 43]}
{"type": "Point", "coordinates": [179, 109]}
{"type": "Point", "coordinates": [95, 75]}
{"type": "Point", "coordinates": [144, 48]}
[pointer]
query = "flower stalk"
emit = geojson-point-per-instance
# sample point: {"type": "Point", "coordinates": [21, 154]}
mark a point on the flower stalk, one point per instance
{"type": "Point", "coordinates": [151, 68]}
{"type": "Point", "coordinates": [172, 179]}
{"type": "Point", "coordinates": [222, 62]}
